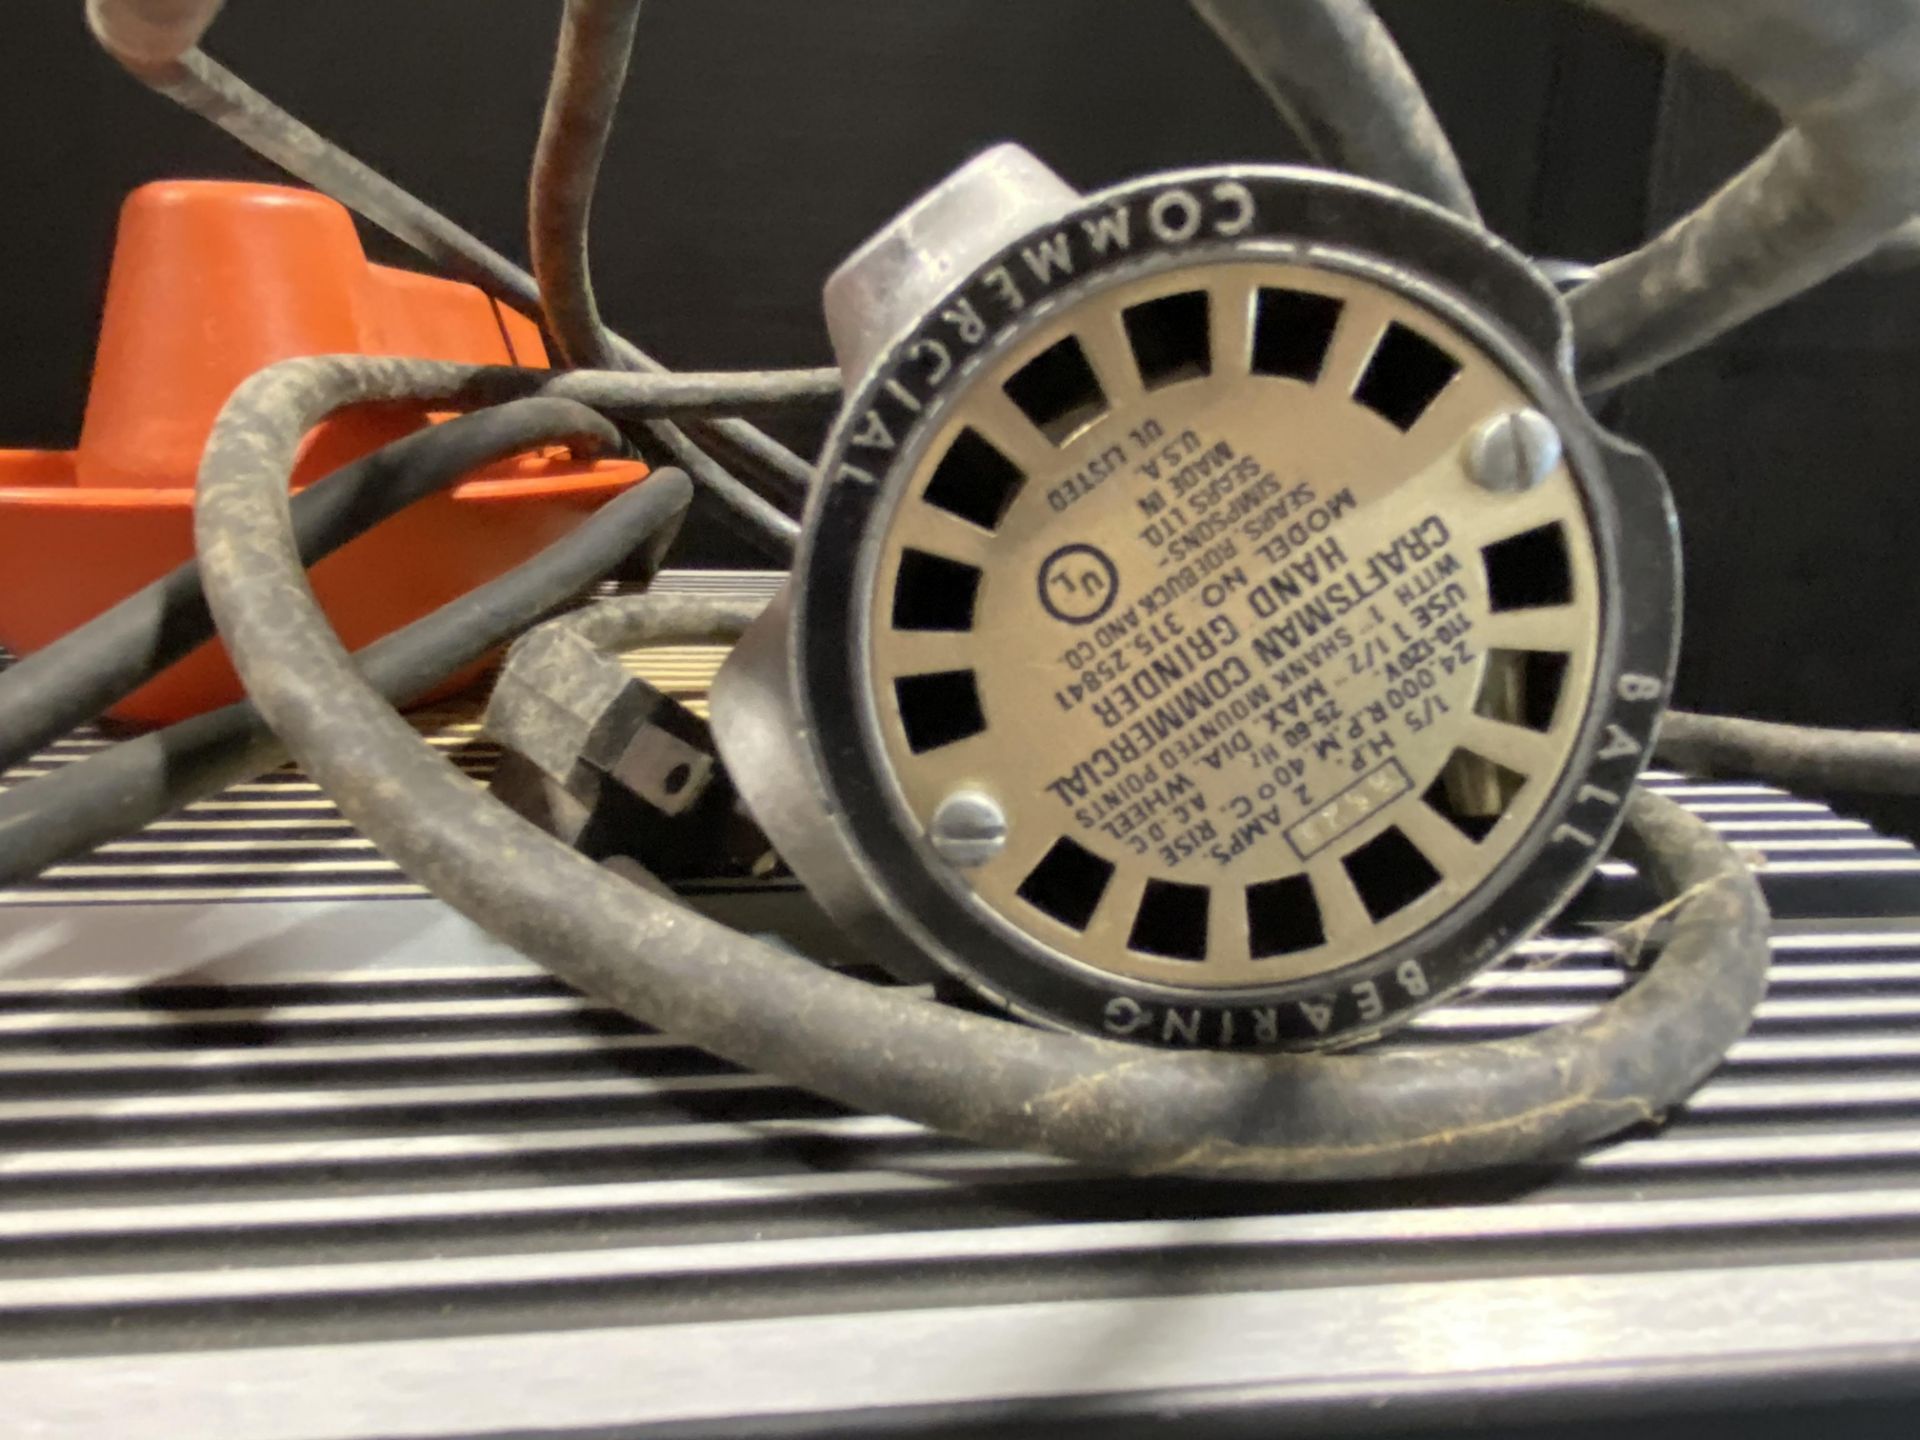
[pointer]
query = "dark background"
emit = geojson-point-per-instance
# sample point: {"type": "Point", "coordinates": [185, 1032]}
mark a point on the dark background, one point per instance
{"type": "Point", "coordinates": [762, 139]}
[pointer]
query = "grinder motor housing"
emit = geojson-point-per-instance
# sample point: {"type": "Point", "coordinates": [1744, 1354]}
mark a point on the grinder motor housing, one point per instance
{"type": "Point", "coordinates": [1218, 622]}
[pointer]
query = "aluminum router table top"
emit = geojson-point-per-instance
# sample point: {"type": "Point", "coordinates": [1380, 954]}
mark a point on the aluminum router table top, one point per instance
{"type": "Point", "coordinates": [291, 1151]}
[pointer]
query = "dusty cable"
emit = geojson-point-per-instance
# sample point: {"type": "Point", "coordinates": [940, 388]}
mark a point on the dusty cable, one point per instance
{"type": "Point", "coordinates": [201, 84]}
{"type": "Point", "coordinates": [1287, 1117]}
{"type": "Point", "coordinates": [1335, 75]}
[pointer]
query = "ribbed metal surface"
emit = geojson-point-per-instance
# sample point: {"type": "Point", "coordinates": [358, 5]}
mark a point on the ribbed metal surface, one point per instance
{"type": "Point", "coordinates": [279, 838]}
{"type": "Point", "coordinates": [314, 1166]}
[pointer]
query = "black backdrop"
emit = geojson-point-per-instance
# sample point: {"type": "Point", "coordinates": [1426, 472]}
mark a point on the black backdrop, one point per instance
{"type": "Point", "coordinates": [762, 139]}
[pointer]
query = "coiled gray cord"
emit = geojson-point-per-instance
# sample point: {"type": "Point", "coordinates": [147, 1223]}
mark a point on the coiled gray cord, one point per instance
{"type": "Point", "coordinates": [1333, 72]}
{"type": "Point", "coordinates": [1273, 1118]}
{"type": "Point", "coordinates": [1842, 180]}
{"type": "Point", "coordinates": [1792, 218]}
{"type": "Point", "coordinates": [89, 669]}
{"type": "Point", "coordinates": [1865, 761]}
{"type": "Point", "coordinates": [589, 70]}
{"type": "Point", "coordinates": [127, 785]}
{"type": "Point", "coordinates": [201, 84]}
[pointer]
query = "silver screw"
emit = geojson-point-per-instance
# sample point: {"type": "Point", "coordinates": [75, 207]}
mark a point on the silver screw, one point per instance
{"type": "Point", "coordinates": [1514, 452]}
{"type": "Point", "coordinates": [968, 829]}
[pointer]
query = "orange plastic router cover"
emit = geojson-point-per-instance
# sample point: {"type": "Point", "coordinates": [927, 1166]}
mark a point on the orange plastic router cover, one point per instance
{"type": "Point", "coordinates": [210, 282]}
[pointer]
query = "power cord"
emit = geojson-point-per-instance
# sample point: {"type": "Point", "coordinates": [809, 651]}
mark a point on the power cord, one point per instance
{"type": "Point", "coordinates": [1777, 228]}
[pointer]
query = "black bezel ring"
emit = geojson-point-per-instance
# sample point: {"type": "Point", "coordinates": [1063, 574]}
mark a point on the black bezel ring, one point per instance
{"type": "Point", "coordinates": [1469, 280]}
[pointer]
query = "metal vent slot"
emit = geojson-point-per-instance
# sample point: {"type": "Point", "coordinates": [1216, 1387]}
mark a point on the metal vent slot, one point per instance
{"type": "Point", "coordinates": [1473, 792]}
{"type": "Point", "coordinates": [1283, 917]}
{"type": "Point", "coordinates": [1067, 883]}
{"type": "Point", "coordinates": [1291, 332]}
{"type": "Point", "coordinates": [1529, 571]}
{"type": "Point", "coordinates": [974, 482]}
{"type": "Point", "coordinates": [1522, 687]}
{"type": "Point", "coordinates": [1171, 921]}
{"type": "Point", "coordinates": [1171, 338]}
{"type": "Point", "coordinates": [1058, 391]}
{"type": "Point", "coordinates": [1405, 376]}
{"type": "Point", "coordinates": [939, 709]}
{"type": "Point", "coordinates": [933, 592]}
{"type": "Point", "coordinates": [1390, 873]}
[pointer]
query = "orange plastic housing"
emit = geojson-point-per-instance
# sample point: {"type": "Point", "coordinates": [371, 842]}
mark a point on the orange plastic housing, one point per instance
{"type": "Point", "coordinates": [210, 282]}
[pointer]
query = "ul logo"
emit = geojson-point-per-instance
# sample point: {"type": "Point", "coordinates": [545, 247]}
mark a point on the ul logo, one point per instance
{"type": "Point", "coordinates": [1078, 584]}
